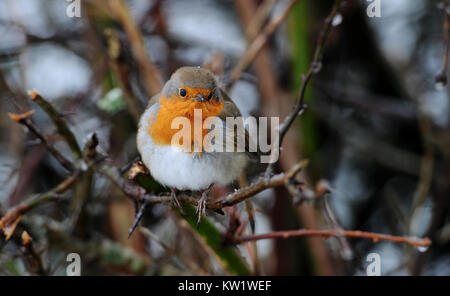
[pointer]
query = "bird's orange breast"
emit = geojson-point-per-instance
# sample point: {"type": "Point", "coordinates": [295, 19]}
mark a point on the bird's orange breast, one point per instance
{"type": "Point", "coordinates": [161, 130]}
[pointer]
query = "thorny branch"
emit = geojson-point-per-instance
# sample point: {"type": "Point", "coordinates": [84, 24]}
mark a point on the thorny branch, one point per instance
{"type": "Point", "coordinates": [25, 120]}
{"type": "Point", "coordinates": [314, 67]}
{"type": "Point", "coordinates": [139, 194]}
{"type": "Point", "coordinates": [282, 179]}
{"type": "Point", "coordinates": [61, 126]}
{"type": "Point", "coordinates": [10, 220]}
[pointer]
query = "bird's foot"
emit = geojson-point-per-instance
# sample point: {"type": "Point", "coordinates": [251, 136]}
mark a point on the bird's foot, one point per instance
{"type": "Point", "coordinates": [201, 206]}
{"type": "Point", "coordinates": [175, 201]}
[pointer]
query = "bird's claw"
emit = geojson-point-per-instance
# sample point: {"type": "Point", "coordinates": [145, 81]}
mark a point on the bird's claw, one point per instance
{"type": "Point", "coordinates": [201, 207]}
{"type": "Point", "coordinates": [175, 201]}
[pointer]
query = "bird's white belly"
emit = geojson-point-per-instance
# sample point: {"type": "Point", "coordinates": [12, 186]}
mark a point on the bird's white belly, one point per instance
{"type": "Point", "coordinates": [187, 171]}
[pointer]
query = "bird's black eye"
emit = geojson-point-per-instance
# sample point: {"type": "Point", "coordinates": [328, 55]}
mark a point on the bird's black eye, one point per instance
{"type": "Point", "coordinates": [183, 92]}
{"type": "Point", "coordinates": [210, 95]}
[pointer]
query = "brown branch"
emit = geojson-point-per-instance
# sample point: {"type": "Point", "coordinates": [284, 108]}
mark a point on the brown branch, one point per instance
{"type": "Point", "coordinates": [282, 179]}
{"type": "Point", "coordinates": [321, 196]}
{"type": "Point", "coordinates": [12, 217]}
{"type": "Point", "coordinates": [375, 237]}
{"type": "Point", "coordinates": [60, 124]}
{"type": "Point", "coordinates": [260, 17]}
{"type": "Point", "coordinates": [138, 218]}
{"type": "Point", "coordinates": [315, 65]}
{"type": "Point", "coordinates": [83, 188]}
{"type": "Point", "coordinates": [152, 78]}
{"type": "Point", "coordinates": [271, 95]}
{"type": "Point", "coordinates": [32, 257]}
{"type": "Point", "coordinates": [130, 189]}
{"type": "Point", "coordinates": [259, 42]}
{"type": "Point", "coordinates": [139, 194]}
{"type": "Point", "coordinates": [25, 120]}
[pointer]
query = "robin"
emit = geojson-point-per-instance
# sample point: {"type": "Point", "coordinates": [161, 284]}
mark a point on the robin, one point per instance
{"type": "Point", "coordinates": [188, 91]}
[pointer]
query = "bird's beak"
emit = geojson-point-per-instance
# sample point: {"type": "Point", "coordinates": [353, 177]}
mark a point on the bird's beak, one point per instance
{"type": "Point", "coordinates": [200, 98]}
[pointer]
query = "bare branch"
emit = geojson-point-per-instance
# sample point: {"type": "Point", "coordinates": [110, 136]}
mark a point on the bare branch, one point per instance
{"type": "Point", "coordinates": [313, 69]}
{"type": "Point", "coordinates": [25, 120]}
{"type": "Point", "coordinates": [139, 194]}
{"type": "Point", "coordinates": [60, 124]}
{"type": "Point", "coordinates": [260, 185]}
{"type": "Point", "coordinates": [375, 237]}
{"type": "Point", "coordinates": [152, 77]}
{"type": "Point", "coordinates": [32, 257]}
{"type": "Point", "coordinates": [13, 216]}
{"type": "Point", "coordinates": [259, 42]}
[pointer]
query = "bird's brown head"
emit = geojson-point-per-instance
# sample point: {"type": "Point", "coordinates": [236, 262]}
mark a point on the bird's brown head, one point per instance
{"type": "Point", "coordinates": [192, 83]}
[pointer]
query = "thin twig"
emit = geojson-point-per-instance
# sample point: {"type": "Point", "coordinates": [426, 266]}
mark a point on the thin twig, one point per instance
{"type": "Point", "coordinates": [26, 121]}
{"type": "Point", "coordinates": [322, 191]}
{"type": "Point", "coordinates": [12, 216]}
{"type": "Point", "coordinates": [426, 169]}
{"type": "Point", "coordinates": [261, 15]}
{"type": "Point", "coordinates": [139, 216]}
{"type": "Point", "coordinates": [263, 183]}
{"type": "Point", "coordinates": [251, 219]}
{"type": "Point", "coordinates": [32, 257]}
{"type": "Point", "coordinates": [152, 78]}
{"type": "Point", "coordinates": [416, 242]}
{"type": "Point", "coordinates": [139, 194]}
{"type": "Point", "coordinates": [126, 167]}
{"type": "Point", "coordinates": [259, 42]}
{"type": "Point", "coordinates": [313, 69]}
{"type": "Point", "coordinates": [130, 189]}
{"type": "Point", "coordinates": [83, 188]}
{"type": "Point", "coordinates": [61, 126]}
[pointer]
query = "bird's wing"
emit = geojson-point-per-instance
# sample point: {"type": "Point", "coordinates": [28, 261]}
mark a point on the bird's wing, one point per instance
{"type": "Point", "coordinates": [153, 100]}
{"type": "Point", "coordinates": [151, 103]}
{"type": "Point", "coordinates": [231, 110]}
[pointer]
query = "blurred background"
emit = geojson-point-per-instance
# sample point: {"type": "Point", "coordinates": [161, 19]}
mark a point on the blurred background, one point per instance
{"type": "Point", "coordinates": [377, 129]}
